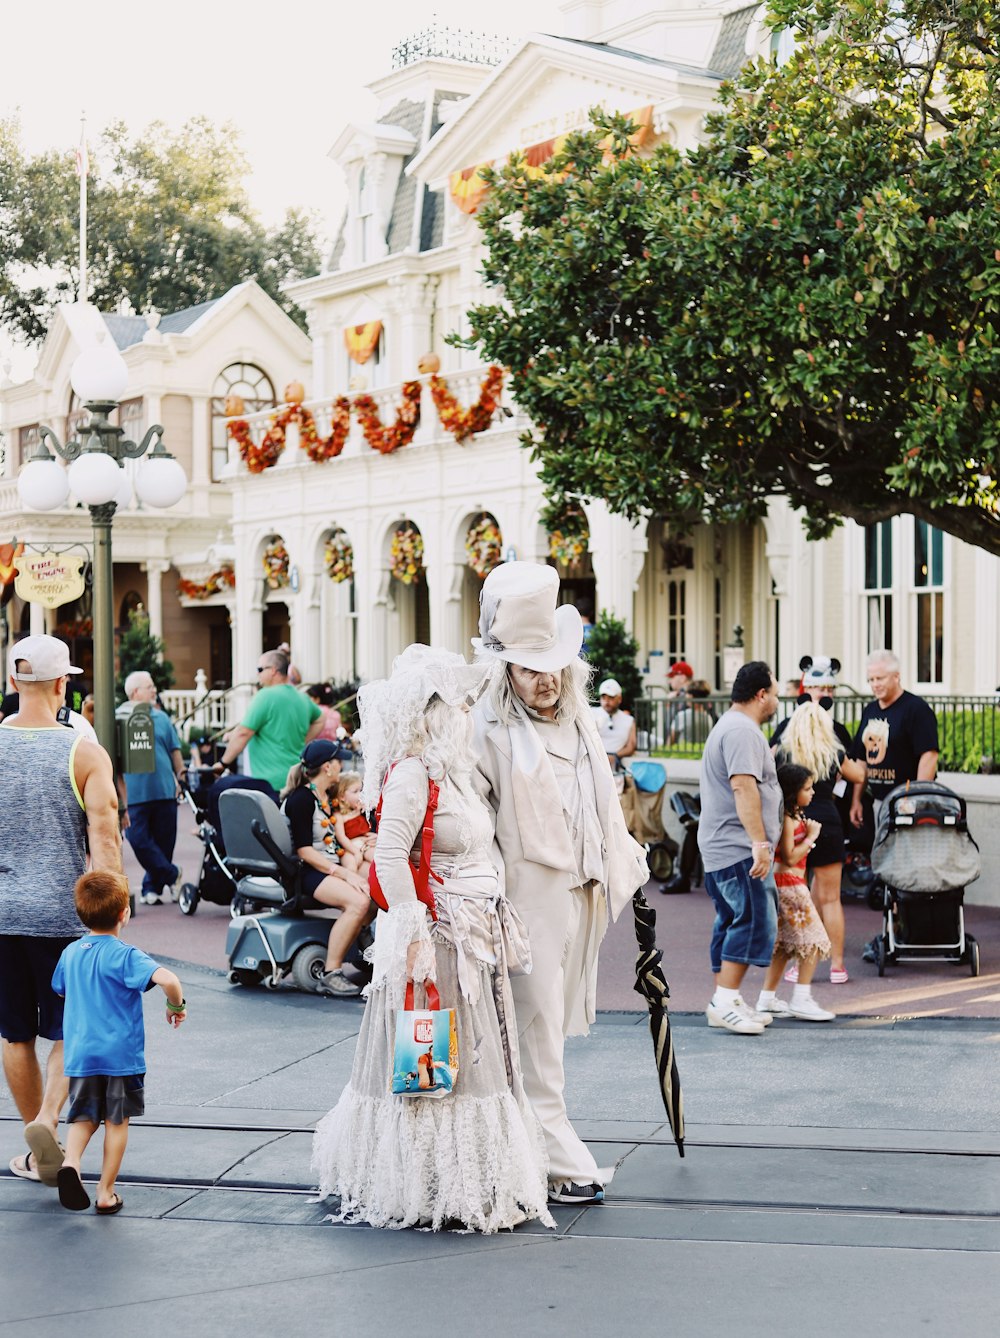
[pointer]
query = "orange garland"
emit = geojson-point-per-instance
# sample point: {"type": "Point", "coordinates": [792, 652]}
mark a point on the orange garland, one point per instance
{"type": "Point", "coordinates": [463, 423]}
{"type": "Point", "coordinates": [217, 583]}
{"type": "Point", "coordinates": [385, 440]}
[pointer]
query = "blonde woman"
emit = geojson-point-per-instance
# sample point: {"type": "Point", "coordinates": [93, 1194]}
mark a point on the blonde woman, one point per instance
{"type": "Point", "coordinates": [809, 741]}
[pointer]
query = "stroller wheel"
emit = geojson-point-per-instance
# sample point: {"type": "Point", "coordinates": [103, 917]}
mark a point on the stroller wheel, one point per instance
{"type": "Point", "coordinates": [880, 955]}
{"type": "Point", "coordinates": [188, 898]}
{"type": "Point", "coordinates": [972, 954]}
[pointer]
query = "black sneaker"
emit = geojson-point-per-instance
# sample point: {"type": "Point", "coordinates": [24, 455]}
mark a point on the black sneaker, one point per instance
{"type": "Point", "coordinates": [868, 952]}
{"type": "Point", "coordinates": [568, 1191]}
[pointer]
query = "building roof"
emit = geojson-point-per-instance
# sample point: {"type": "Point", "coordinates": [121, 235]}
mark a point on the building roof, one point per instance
{"type": "Point", "coordinates": [129, 330]}
{"type": "Point", "coordinates": [640, 57]}
{"type": "Point", "coordinates": [730, 52]}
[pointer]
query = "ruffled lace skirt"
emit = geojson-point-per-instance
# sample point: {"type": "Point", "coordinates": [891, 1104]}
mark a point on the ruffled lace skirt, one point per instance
{"type": "Point", "coordinates": [801, 934]}
{"type": "Point", "coordinates": [475, 1157]}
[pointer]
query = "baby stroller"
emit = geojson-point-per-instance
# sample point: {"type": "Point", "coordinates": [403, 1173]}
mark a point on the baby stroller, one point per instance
{"type": "Point", "coordinates": [689, 873]}
{"type": "Point", "coordinates": [925, 858]}
{"type": "Point", "coordinates": [642, 806]}
{"type": "Point", "coordinates": [216, 883]}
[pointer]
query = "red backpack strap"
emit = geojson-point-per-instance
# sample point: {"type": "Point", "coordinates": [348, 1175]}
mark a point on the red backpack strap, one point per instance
{"type": "Point", "coordinates": [427, 837]}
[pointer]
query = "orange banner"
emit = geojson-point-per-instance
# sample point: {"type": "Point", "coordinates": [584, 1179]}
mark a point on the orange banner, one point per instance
{"type": "Point", "coordinates": [362, 340]}
{"type": "Point", "coordinates": [467, 188]}
{"type": "Point", "coordinates": [8, 562]}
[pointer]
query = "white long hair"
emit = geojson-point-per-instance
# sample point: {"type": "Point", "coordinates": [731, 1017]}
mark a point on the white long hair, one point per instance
{"type": "Point", "coordinates": [571, 704]}
{"type": "Point", "coordinates": [809, 740]}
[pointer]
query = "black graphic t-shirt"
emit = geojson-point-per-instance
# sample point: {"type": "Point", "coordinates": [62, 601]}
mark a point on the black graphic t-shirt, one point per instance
{"type": "Point", "coordinates": [892, 739]}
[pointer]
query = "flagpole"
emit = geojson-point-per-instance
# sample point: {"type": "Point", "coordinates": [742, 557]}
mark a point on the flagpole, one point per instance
{"type": "Point", "coordinates": [83, 166]}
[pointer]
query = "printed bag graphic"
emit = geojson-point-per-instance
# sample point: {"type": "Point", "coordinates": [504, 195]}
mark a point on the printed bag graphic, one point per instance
{"type": "Point", "coordinates": [425, 1062]}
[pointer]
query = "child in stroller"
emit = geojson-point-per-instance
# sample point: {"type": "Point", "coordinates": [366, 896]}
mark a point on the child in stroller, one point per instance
{"type": "Point", "coordinates": [925, 857]}
{"type": "Point", "coordinates": [215, 882]}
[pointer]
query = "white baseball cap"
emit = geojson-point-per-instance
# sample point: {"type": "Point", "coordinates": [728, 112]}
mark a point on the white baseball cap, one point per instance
{"type": "Point", "coordinates": [610, 688]}
{"type": "Point", "coordinates": [47, 658]}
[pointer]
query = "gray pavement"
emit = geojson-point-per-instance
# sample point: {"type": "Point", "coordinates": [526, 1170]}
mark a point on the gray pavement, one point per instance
{"type": "Point", "coordinates": [837, 1178]}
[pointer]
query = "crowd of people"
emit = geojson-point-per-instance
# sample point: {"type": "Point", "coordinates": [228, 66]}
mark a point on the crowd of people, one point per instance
{"type": "Point", "coordinates": [495, 781]}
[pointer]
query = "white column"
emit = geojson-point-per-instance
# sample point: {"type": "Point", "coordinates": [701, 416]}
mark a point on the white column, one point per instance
{"type": "Point", "coordinates": [987, 596]}
{"type": "Point", "coordinates": [306, 640]}
{"type": "Point", "coordinates": [155, 569]}
{"type": "Point", "coordinates": [201, 442]}
{"type": "Point", "coordinates": [36, 625]}
{"type": "Point", "coordinates": [617, 551]}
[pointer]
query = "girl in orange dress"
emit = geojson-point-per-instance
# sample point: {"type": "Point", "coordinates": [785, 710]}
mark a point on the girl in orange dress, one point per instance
{"type": "Point", "coordinates": [800, 930]}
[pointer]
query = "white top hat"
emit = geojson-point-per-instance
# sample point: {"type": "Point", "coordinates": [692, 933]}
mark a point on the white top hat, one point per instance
{"type": "Point", "coordinates": [520, 623]}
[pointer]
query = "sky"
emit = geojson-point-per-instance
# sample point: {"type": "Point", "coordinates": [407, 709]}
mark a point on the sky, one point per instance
{"type": "Point", "coordinates": [288, 74]}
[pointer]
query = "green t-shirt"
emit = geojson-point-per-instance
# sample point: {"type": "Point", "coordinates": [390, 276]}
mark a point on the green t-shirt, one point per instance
{"type": "Point", "coordinates": [280, 718]}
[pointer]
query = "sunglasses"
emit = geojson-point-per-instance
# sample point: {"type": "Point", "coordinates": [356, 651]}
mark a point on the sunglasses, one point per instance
{"type": "Point", "coordinates": [262, 667]}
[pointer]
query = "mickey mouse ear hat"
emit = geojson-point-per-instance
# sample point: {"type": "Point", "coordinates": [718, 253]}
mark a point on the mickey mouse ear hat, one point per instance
{"type": "Point", "coordinates": [519, 621]}
{"type": "Point", "coordinates": [820, 672]}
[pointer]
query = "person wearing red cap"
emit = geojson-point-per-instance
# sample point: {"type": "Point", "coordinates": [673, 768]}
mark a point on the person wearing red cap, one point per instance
{"type": "Point", "coordinates": [679, 677]}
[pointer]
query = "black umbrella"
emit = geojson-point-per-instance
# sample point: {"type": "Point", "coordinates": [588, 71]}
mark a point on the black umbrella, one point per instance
{"type": "Point", "coordinates": [651, 983]}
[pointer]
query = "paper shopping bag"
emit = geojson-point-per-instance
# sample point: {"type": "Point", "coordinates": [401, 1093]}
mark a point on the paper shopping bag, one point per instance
{"type": "Point", "coordinates": [425, 1061]}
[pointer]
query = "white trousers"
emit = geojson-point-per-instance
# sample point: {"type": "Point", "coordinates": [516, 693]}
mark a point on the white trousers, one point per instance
{"type": "Point", "coordinates": [560, 925]}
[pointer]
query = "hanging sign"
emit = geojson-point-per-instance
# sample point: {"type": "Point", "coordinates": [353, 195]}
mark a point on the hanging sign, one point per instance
{"type": "Point", "coordinates": [49, 579]}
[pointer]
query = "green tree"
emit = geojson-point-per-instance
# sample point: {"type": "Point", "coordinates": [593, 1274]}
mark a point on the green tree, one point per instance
{"type": "Point", "coordinates": [612, 651]}
{"type": "Point", "coordinates": [169, 225]}
{"type": "Point", "coordinates": [139, 649]}
{"type": "Point", "coordinates": [806, 304]}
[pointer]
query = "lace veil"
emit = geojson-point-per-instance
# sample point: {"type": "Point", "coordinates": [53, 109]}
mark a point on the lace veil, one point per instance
{"type": "Point", "coordinates": [391, 708]}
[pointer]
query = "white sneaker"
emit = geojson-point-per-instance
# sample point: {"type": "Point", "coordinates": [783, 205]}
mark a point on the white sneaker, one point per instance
{"type": "Point", "coordinates": [810, 1011]}
{"type": "Point", "coordinates": [172, 891]}
{"type": "Point", "coordinates": [755, 1014]}
{"type": "Point", "coordinates": [150, 899]}
{"type": "Point", "coordinates": [734, 1018]}
{"type": "Point", "coordinates": [776, 1008]}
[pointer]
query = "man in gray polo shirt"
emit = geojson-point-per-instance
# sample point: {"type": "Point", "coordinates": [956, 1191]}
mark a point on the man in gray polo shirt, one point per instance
{"type": "Point", "coordinates": [737, 834]}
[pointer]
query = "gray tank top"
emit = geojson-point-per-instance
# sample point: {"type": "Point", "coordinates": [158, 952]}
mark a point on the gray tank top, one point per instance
{"type": "Point", "coordinates": [43, 848]}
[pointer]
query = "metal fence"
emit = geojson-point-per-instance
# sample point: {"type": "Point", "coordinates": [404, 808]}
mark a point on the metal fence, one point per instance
{"type": "Point", "coordinates": [968, 727]}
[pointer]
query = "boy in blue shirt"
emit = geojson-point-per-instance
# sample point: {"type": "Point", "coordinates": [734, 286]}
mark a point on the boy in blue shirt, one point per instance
{"type": "Point", "coordinates": [103, 981]}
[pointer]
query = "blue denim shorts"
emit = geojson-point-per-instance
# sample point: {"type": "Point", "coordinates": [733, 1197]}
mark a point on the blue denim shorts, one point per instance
{"type": "Point", "coordinates": [746, 916]}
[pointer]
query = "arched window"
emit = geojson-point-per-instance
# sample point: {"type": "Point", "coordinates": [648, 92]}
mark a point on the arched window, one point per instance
{"type": "Point", "coordinates": [255, 389]}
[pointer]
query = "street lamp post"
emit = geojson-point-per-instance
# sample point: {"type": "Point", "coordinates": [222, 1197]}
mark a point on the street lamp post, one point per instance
{"type": "Point", "coordinates": [96, 477]}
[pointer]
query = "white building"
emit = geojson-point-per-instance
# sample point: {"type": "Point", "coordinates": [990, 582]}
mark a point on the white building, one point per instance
{"type": "Point", "coordinates": [402, 274]}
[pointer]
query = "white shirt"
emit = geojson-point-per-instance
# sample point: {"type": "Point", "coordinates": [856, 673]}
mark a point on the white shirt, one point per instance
{"type": "Point", "coordinates": [76, 723]}
{"type": "Point", "coordinates": [615, 729]}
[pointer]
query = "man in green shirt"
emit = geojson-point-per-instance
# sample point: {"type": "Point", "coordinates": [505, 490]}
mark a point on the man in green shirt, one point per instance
{"type": "Point", "coordinates": [278, 725]}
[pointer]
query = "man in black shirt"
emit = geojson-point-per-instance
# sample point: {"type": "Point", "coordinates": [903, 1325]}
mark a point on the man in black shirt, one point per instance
{"type": "Point", "coordinates": [897, 738]}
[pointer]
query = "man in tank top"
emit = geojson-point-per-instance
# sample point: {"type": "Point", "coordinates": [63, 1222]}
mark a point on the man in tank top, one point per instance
{"type": "Point", "coordinates": [59, 791]}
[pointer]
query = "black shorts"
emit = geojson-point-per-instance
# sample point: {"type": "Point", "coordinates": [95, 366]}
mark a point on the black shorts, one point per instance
{"type": "Point", "coordinates": [829, 847]}
{"type": "Point", "coordinates": [97, 1098]}
{"type": "Point", "coordinates": [29, 1006]}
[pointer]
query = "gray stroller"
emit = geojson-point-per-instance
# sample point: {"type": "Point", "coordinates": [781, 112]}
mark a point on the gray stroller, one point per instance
{"type": "Point", "coordinates": [924, 857]}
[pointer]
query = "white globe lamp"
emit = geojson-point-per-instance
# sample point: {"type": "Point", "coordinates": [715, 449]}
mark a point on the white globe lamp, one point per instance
{"type": "Point", "coordinates": [160, 481]}
{"type": "Point", "coordinates": [42, 484]}
{"type": "Point", "coordinates": [99, 374]}
{"type": "Point", "coordinates": [123, 497]}
{"type": "Point", "coordinates": [95, 478]}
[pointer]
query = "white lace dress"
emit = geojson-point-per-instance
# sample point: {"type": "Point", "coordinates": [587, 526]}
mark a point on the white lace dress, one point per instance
{"type": "Point", "coordinates": [476, 1156]}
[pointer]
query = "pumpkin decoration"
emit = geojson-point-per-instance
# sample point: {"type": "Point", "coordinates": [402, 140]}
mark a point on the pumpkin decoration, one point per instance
{"type": "Point", "coordinates": [295, 392]}
{"type": "Point", "coordinates": [428, 364]}
{"type": "Point", "coordinates": [234, 406]}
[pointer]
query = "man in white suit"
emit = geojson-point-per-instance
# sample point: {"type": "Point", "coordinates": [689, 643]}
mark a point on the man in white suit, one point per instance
{"type": "Point", "coordinates": [568, 857]}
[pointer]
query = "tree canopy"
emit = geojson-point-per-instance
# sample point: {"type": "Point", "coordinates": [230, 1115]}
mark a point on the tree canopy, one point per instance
{"type": "Point", "coordinates": [805, 304]}
{"type": "Point", "coordinates": [169, 225]}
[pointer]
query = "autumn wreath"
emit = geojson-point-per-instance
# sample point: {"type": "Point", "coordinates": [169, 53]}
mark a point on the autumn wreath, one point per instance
{"type": "Point", "coordinates": [569, 534]}
{"type": "Point", "coordinates": [275, 563]}
{"type": "Point", "coordinates": [338, 557]}
{"type": "Point", "coordinates": [484, 546]}
{"type": "Point", "coordinates": [406, 554]}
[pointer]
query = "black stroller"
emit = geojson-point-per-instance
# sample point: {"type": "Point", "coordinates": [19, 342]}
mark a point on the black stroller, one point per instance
{"type": "Point", "coordinates": [641, 794]}
{"type": "Point", "coordinates": [216, 883]}
{"type": "Point", "coordinates": [924, 857]}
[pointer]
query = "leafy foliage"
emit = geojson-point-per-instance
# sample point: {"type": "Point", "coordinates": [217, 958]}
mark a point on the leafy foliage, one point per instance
{"type": "Point", "coordinates": [807, 303]}
{"type": "Point", "coordinates": [138, 649]}
{"type": "Point", "coordinates": [169, 225]}
{"type": "Point", "coordinates": [612, 651]}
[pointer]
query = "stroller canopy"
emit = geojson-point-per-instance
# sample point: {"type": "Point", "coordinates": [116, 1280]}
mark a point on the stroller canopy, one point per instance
{"type": "Point", "coordinates": [922, 843]}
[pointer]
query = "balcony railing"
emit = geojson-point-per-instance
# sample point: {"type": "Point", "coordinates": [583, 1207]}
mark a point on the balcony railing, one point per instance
{"type": "Point", "coordinates": [968, 727]}
{"type": "Point", "coordinates": [464, 385]}
{"type": "Point", "coordinates": [452, 44]}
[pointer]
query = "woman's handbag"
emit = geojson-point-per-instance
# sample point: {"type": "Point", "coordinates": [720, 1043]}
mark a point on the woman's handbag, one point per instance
{"type": "Point", "coordinates": [423, 872]}
{"type": "Point", "coordinates": [425, 1060]}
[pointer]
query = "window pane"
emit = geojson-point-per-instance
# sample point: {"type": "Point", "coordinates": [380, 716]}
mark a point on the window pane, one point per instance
{"type": "Point", "coordinates": [871, 557]}
{"type": "Point", "coordinates": [920, 557]}
{"type": "Point", "coordinates": [937, 557]}
{"type": "Point", "coordinates": [885, 530]}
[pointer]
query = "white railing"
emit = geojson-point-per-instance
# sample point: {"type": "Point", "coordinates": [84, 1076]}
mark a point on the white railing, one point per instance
{"type": "Point", "coordinates": [464, 385]}
{"type": "Point", "coordinates": [205, 711]}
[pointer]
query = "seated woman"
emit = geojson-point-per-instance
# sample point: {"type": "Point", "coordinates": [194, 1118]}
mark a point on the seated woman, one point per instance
{"type": "Point", "coordinates": [475, 1155]}
{"type": "Point", "coordinates": [309, 807]}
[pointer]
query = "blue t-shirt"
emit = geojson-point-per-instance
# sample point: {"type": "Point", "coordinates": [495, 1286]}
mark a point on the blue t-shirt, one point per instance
{"type": "Point", "coordinates": [144, 787]}
{"type": "Point", "coordinates": [103, 980]}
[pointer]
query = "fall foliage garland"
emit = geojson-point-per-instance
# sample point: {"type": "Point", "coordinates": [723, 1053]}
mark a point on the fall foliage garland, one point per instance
{"type": "Point", "coordinates": [385, 440]}
{"type": "Point", "coordinates": [219, 581]}
{"type": "Point", "coordinates": [464, 423]}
